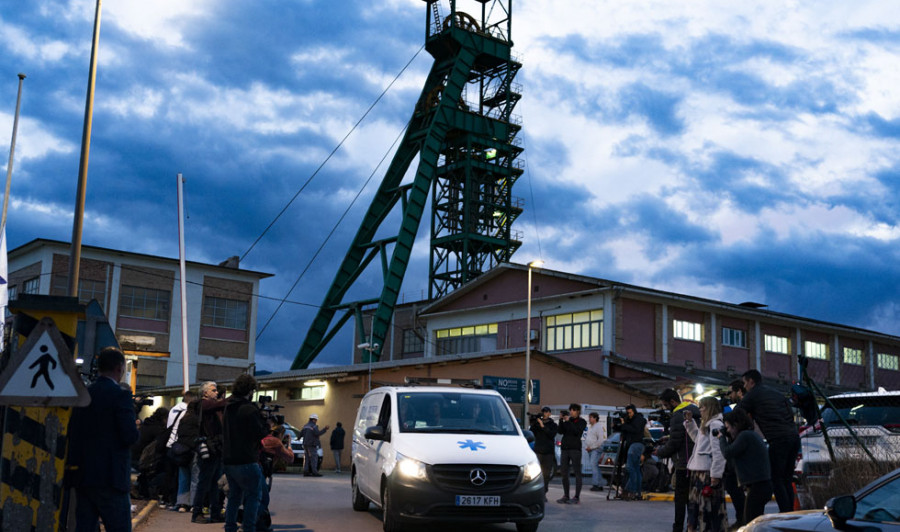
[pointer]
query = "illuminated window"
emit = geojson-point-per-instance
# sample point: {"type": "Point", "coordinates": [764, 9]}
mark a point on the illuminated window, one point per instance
{"type": "Point", "coordinates": [579, 330]}
{"type": "Point", "coordinates": [311, 392]}
{"type": "Point", "coordinates": [853, 356]}
{"type": "Point", "coordinates": [777, 344]}
{"type": "Point", "coordinates": [469, 339]}
{"type": "Point", "coordinates": [225, 313]}
{"type": "Point", "coordinates": [734, 337]}
{"type": "Point", "coordinates": [259, 393]}
{"type": "Point", "coordinates": [687, 330]}
{"type": "Point", "coordinates": [886, 361]}
{"type": "Point", "coordinates": [146, 303]}
{"type": "Point", "coordinates": [815, 350]}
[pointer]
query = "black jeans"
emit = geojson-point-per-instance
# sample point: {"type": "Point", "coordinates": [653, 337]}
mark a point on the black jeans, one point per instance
{"type": "Point", "coordinates": [547, 461]}
{"type": "Point", "coordinates": [207, 494]}
{"type": "Point", "coordinates": [729, 479]}
{"type": "Point", "coordinates": [758, 494]}
{"type": "Point", "coordinates": [565, 457]}
{"type": "Point", "coordinates": [782, 459]}
{"type": "Point", "coordinates": [681, 485]}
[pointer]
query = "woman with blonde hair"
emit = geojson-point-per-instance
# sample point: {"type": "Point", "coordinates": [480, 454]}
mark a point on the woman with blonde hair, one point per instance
{"type": "Point", "coordinates": [706, 499]}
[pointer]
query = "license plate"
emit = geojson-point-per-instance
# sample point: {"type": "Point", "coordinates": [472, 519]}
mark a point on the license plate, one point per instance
{"type": "Point", "coordinates": [477, 500]}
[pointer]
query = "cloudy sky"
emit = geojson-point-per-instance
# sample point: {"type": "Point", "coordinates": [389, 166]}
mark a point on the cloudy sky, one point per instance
{"type": "Point", "coordinates": [732, 150]}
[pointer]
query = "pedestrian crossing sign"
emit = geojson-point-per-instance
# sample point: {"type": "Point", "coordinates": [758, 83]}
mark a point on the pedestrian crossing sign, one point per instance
{"type": "Point", "coordinates": [42, 372]}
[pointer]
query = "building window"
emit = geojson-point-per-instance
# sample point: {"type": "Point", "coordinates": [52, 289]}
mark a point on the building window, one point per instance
{"type": "Point", "coordinates": [32, 286]}
{"type": "Point", "coordinates": [687, 330]}
{"type": "Point", "coordinates": [777, 344]}
{"type": "Point", "coordinates": [853, 356]}
{"type": "Point", "coordinates": [734, 337]}
{"type": "Point", "coordinates": [145, 303]}
{"type": "Point", "coordinates": [272, 394]}
{"type": "Point", "coordinates": [886, 361]}
{"type": "Point", "coordinates": [815, 350]}
{"type": "Point", "coordinates": [12, 292]}
{"type": "Point", "coordinates": [87, 289]}
{"type": "Point", "coordinates": [412, 342]}
{"type": "Point", "coordinates": [579, 330]}
{"type": "Point", "coordinates": [309, 392]}
{"type": "Point", "coordinates": [471, 339]}
{"type": "Point", "coordinates": [224, 313]}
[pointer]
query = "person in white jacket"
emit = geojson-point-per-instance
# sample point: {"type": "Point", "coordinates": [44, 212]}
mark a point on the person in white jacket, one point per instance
{"type": "Point", "coordinates": [706, 499]}
{"type": "Point", "coordinates": [592, 443]}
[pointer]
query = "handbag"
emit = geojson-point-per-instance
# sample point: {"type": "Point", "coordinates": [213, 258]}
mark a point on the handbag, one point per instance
{"type": "Point", "coordinates": [180, 454]}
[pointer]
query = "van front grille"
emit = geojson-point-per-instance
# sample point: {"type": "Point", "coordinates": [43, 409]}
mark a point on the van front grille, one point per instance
{"type": "Point", "coordinates": [457, 478]}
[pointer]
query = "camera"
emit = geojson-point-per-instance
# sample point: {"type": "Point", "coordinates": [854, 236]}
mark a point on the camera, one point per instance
{"type": "Point", "coordinates": [202, 448]}
{"type": "Point", "coordinates": [533, 418]}
{"type": "Point", "coordinates": [140, 401]}
{"type": "Point", "coordinates": [269, 410]}
{"type": "Point", "coordinates": [715, 433]}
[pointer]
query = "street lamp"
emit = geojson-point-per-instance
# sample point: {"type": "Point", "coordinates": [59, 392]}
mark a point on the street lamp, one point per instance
{"type": "Point", "coordinates": [527, 399]}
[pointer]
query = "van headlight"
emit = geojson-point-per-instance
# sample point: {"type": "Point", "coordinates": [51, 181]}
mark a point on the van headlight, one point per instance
{"type": "Point", "coordinates": [410, 468]}
{"type": "Point", "coordinates": [532, 471]}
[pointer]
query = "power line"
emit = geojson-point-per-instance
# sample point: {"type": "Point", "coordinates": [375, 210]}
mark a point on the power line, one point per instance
{"type": "Point", "coordinates": [330, 155]}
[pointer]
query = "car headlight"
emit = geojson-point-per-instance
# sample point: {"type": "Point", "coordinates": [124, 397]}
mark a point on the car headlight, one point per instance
{"type": "Point", "coordinates": [532, 471]}
{"type": "Point", "coordinates": [410, 468]}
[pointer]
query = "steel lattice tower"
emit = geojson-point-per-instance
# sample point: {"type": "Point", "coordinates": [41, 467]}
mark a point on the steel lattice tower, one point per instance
{"type": "Point", "coordinates": [465, 135]}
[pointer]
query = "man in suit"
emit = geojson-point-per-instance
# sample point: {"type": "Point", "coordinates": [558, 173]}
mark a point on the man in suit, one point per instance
{"type": "Point", "coordinates": [101, 435]}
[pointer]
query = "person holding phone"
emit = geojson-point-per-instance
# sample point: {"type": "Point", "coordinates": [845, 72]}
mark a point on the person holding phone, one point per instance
{"type": "Point", "coordinates": [706, 499]}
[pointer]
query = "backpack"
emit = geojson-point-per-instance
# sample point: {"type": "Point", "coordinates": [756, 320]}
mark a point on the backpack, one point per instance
{"type": "Point", "coordinates": [149, 461]}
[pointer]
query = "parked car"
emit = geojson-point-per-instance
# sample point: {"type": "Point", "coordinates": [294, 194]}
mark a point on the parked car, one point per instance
{"type": "Point", "coordinates": [609, 450]}
{"type": "Point", "coordinates": [874, 416]}
{"type": "Point", "coordinates": [872, 508]}
{"type": "Point", "coordinates": [297, 446]}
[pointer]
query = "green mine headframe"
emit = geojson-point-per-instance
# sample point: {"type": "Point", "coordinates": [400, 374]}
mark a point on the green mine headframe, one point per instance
{"type": "Point", "coordinates": [465, 135]}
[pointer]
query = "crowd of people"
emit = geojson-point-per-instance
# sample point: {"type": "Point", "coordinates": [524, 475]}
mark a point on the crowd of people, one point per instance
{"type": "Point", "coordinates": [743, 444]}
{"type": "Point", "coordinates": [210, 455]}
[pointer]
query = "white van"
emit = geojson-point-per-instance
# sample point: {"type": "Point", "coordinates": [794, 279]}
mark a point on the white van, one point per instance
{"type": "Point", "coordinates": [428, 454]}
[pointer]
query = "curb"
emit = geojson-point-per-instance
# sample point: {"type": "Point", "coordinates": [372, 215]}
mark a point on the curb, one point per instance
{"type": "Point", "coordinates": [143, 515]}
{"type": "Point", "coordinates": [669, 497]}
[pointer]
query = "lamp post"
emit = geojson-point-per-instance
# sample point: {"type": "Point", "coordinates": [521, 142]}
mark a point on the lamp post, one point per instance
{"type": "Point", "coordinates": [527, 399]}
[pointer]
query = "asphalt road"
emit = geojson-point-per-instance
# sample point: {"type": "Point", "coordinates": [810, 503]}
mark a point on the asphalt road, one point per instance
{"type": "Point", "coordinates": [304, 504]}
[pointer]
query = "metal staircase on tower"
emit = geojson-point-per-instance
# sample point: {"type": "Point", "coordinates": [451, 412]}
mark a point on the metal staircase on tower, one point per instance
{"type": "Point", "coordinates": [465, 136]}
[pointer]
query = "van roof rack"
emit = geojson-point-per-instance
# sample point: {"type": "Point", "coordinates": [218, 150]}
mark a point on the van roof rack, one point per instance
{"type": "Point", "coordinates": [434, 381]}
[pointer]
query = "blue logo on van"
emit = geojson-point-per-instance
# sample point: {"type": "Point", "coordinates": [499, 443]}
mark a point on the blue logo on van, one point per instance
{"type": "Point", "coordinates": [472, 445]}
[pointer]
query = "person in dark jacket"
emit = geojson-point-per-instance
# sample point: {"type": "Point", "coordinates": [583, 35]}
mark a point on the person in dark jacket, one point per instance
{"type": "Point", "coordinates": [771, 410]}
{"type": "Point", "coordinates": [310, 434]}
{"type": "Point", "coordinates": [337, 445]}
{"type": "Point", "coordinates": [151, 428]}
{"type": "Point", "coordinates": [212, 408]}
{"type": "Point", "coordinates": [679, 447]}
{"type": "Point", "coordinates": [729, 477]}
{"type": "Point", "coordinates": [244, 429]}
{"type": "Point", "coordinates": [572, 427]}
{"type": "Point", "coordinates": [101, 437]}
{"type": "Point", "coordinates": [746, 449]}
{"type": "Point", "coordinates": [544, 429]}
{"type": "Point", "coordinates": [632, 429]}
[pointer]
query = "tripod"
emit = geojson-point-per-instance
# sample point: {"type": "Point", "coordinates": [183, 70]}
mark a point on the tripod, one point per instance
{"type": "Point", "coordinates": [619, 476]}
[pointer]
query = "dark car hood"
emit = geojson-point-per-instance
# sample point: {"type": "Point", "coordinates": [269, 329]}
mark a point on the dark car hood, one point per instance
{"type": "Point", "coordinates": [801, 520]}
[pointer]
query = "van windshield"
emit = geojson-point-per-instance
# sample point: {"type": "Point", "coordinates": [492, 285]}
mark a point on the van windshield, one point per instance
{"type": "Point", "coordinates": [454, 412]}
{"type": "Point", "coordinates": [864, 411]}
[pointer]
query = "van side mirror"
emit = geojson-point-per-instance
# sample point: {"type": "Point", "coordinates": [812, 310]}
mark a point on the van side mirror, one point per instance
{"type": "Point", "coordinates": [840, 510]}
{"type": "Point", "coordinates": [375, 433]}
{"type": "Point", "coordinates": [529, 436]}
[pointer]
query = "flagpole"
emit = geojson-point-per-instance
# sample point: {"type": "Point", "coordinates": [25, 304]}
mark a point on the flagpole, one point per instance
{"type": "Point", "coordinates": [78, 222]}
{"type": "Point", "coordinates": [12, 152]}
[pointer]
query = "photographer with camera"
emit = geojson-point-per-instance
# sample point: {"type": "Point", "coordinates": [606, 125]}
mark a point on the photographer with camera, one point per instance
{"type": "Point", "coordinates": [571, 426]}
{"type": "Point", "coordinates": [742, 445]}
{"type": "Point", "coordinates": [729, 399]}
{"type": "Point", "coordinates": [212, 408]}
{"type": "Point", "coordinates": [632, 425]}
{"type": "Point", "coordinates": [243, 429]}
{"type": "Point", "coordinates": [544, 429]}
{"type": "Point", "coordinates": [706, 498]}
{"type": "Point", "coordinates": [680, 447]}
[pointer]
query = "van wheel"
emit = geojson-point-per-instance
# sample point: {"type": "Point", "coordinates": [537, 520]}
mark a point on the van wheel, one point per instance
{"type": "Point", "coordinates": [360, 502]}
{"type": "Point", "coordinates": [526, 527]}
{"type": "Point", "coordinates": [389, 516]}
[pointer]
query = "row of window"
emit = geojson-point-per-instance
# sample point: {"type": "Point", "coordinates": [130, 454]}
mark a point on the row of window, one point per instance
{"type": "Point", "coordinates": [148, 303]}
{"type": "Point", "coordinates": [687, 330]}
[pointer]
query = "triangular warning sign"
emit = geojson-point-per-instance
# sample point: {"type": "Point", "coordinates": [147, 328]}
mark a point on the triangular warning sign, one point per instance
{"type": "Point", "coordinates": [42, 372]}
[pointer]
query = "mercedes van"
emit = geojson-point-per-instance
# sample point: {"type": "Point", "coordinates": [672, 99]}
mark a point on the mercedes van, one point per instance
{"type": "Point", "coordinates": [429, 454]}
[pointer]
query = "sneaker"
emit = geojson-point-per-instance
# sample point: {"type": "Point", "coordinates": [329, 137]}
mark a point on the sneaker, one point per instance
{"type": "Point", "coordinates": [564, 500]}
{"type": "Point", "coordinates": [183, 508]}
{"type": "Point", "coordinates": [198, 518]}
{"type": "Point", "coordinates": [576, 500]}
{"type": "Point", "coordinates": [596, 488]}
{"type": "Point", "coordinates": [172, 508]}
